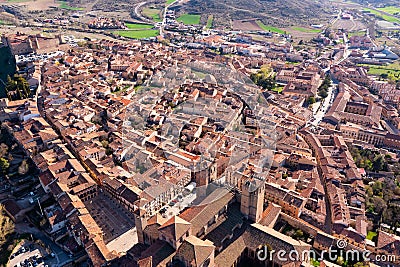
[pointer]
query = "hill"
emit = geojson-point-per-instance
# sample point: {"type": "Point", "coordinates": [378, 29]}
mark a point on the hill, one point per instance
{"type": "Point", "coordinates": [280, 13]}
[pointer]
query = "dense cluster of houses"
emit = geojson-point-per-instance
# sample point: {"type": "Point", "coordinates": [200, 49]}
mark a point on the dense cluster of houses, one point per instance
{"type": "Point", "coordinates": [99, 127]}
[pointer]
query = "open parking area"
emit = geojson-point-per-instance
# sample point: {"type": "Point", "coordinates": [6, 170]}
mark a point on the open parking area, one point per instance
{"type": "Point", "coordinates": [28, 254]}
{"type": "Point", "coordinates": [177, 205]}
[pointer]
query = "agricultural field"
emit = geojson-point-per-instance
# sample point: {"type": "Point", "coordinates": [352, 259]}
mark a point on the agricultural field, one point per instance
{"type": "Point", "coordinates": [138, 34]}
{"type": "Point", "coordinates": [36, 4]}
{"type": "Point", "coordinates": [152, 13]}
{"type": "Point", "coordinates": [306, 30]}
{"type": "Point", "coordinates": [210, 20]}
{"type": "Point", "coordinates": [349, 25]}
{"type": "Point", "coordinates": [246, 25]}
{"type": "Point", "coordinates": [383, 16]}
{"type": "Point", "coordinates": [357, 33]}
{"type": "Point", "coordinates": [189, 19]}
{"type": "Point", "coordinates": [390, 9]}
{"type": "Point", "coordinates": [65, 5]}
{"type": "Point", "coordinates": [138, 26]}
{"type": "Point", "coordinates": [270, 28]}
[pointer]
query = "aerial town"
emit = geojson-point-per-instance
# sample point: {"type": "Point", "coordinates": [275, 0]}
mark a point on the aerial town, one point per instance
{"type": "Point", "coordinates": [173, 139]}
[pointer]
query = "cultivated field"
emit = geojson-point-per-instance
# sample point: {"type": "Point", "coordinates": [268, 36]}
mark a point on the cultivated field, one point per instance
{"type": "Point", "coordinates": [152, 13]}
{"type": "Point", "coordinates": [138, 26]}
{"type": "Point", "coordinates": [33, 5]}
{"type": "Point", "coordinates": [138, 34]}
{"type": "Point", "coordinates": [269, 28]}
{"type": "Point", "coordinates": [189, 19]}
{"type": "Point", "coordinates": [349, 25]}
{"type": "Point", "coordinates": [246, 25]}
{"type": "Point", "coordinates": [391, 10]}
{"type": "Point", "coordinates": [210, 20]}
{"type": "Point", "coordinates": [383, 16]}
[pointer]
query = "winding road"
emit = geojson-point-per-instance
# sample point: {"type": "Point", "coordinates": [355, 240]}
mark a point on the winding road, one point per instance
{"type": "Point", "coordinates": [139, 15]}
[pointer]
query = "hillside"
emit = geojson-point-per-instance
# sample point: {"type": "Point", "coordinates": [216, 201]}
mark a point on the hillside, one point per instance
{"type": "Point", "coordinates": [281, 13]}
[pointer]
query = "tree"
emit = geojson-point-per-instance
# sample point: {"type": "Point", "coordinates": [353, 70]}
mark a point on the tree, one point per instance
{"type": "Point", "coordinates": [379, 164]}
{"type": "Point", "coordinates": [379, 205]}
{"type": "Point", "coordinates": [323, 89]}
{"type": "Point", "coordinates": [4, 165]}
{"type": "Point", "coordinates": [264, 78]}
{"type": "Point", "coordinates": [104, 143]}
{"type": "Point", "coordinates": [323, 93]}
{"type": "Point", "coordinates": [17, 88]}
{"type": "Point", "coordinates": [298, 234]}
{"type": "Point", "coordinates": [311, 100]}
{"type": "Point", "coordinates": [23, 168]}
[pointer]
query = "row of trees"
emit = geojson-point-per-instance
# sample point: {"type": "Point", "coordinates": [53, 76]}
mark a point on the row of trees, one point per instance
{"type": "Point", "coordinates": [323, 89]}
{"type": "Point", "coordinates": [17, 88]}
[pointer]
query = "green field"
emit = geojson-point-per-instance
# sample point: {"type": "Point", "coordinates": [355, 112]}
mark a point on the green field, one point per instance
{"type": "Point", "coordinates": [64, 5]}
{"type": "Point", "coordinates": [2, 22]}
{"type": "Point", "coordinates": [152, 13]}
{"type": "Point", "coordinates": [138, 26]}
{"type": "Point", "coordinates": [383, 16]}
{"type": "Point", "coordinates": [392, 70]}
{"type": "Point", "coordinates": [358, 33]}
{"type": "Point", "coordinates": [210, 20]}
{"type": "Point", "coordinates": [170, 2]}
{"type": "Point", "coordinates": [189, 19]}
{"type": "Point", "coordinates": [138, 34]}
{"type": "Point", "coordinates": [308, 30]}
{"type": "Point", "coordinates": [269, 28]}
{"type": "Point", "coordinates": [390, 9]}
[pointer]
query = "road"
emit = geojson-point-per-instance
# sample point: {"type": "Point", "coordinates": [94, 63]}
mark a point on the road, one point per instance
{"type": "Point", "coordinates": [139, 15]}
{"type": "Point", "coordinates": [61, 257]}
{"type": "Point", "coordinates": [346, 52]}
{"type": "Point", "coordinates": [337, 18]}
{"type": "Point", "coordinates": [164, 21]}
{"type": "Point", "coordinates": [325, 105]}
